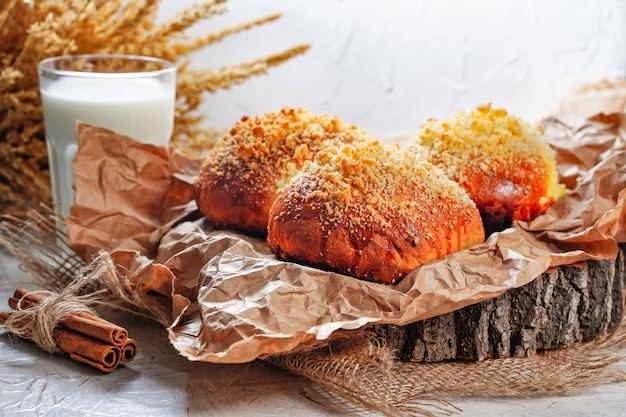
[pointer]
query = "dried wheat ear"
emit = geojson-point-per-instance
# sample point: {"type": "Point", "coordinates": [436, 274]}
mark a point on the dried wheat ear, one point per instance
{"type": "Point", "coordinates": [34, 30]}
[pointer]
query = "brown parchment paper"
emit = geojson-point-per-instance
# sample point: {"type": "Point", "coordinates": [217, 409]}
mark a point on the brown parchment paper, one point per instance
{"type": "Point", "coordinates": [127, 194]}
{"type": "Point", "coordinates": [230, 300]}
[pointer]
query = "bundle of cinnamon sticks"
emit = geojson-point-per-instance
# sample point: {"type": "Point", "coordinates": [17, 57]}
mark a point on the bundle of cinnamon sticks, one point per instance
{"type": "Point", "coordinates": [85, 337]}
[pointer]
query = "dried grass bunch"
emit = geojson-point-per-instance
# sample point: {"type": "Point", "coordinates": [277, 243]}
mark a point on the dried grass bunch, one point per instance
{"type": "Point", "coordinates": [33, 30]}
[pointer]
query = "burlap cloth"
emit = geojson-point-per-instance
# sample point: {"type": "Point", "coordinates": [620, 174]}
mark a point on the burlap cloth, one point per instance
{"type": "Point", "coordinates": [340, 355]}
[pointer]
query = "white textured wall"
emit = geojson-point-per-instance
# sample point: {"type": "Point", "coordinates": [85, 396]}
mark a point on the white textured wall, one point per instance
{"type": "Point", "coordinates": [387, 65]}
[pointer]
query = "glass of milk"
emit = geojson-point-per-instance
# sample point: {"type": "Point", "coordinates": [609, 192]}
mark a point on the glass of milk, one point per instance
{"type": "Point", "coordinates": [131, 95]}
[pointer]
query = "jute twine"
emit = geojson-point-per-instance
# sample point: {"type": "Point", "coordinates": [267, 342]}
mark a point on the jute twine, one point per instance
{"type": "Point", "coordinates": [38, 323]}
{"type": "Point", "coordinates": [353, 365]}
{"type": "Point", "coordinates": [41, 245]}
{"type": "Point", "coordinates": [71, 286]}
{"type": "Point", "coordinates": [364, 372]}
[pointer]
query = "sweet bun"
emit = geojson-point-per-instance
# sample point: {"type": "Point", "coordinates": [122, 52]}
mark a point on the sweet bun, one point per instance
{"type": "Point", "coordinates": [371, 211]}
{"type": "Point", "coordinates": [504, 163]}
{"type": "Point", "coordinates": [239, 178]}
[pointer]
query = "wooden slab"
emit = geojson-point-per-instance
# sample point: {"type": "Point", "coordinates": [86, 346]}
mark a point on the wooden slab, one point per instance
{"type": "Point", "coordinates": [575, 303]}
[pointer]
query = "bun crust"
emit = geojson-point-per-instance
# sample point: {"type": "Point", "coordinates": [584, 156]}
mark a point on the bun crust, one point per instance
{"type": "Point", "coordinates": [504, 163]}
{"type": "Point", "coordinates": [371, 211]}
{"type": "Point", "coordinates": [239, 178]}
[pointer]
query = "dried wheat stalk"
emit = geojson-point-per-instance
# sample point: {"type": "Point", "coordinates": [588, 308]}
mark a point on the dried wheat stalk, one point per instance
{"type": "Point", "coordinates": [33, 30]}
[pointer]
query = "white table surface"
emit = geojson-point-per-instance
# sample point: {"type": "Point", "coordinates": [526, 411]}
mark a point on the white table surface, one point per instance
{"type": "Point", "coordinates": [159, 382]}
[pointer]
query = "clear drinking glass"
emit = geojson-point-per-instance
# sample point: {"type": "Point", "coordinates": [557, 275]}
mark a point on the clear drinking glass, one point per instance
{"type": "Point", "coordinates": [131, 95]}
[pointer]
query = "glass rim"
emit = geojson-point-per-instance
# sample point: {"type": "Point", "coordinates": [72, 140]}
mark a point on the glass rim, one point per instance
{"type": "Point", "coordinates": [45, 65]}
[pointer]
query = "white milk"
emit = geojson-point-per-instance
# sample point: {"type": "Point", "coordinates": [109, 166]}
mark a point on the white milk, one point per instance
{"type": "Point", "coordinates": [142, 109]}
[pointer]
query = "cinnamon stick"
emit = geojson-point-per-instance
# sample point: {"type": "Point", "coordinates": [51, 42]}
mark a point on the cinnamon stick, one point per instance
{"type": "Point", "coordinates": [85, 337]}
{"type": "Point", "coordinates": [83, 322]}
{"type": "Point", "coordinates": [87, 350]}
{"type": "Point", "coordinates": [82, 348]}
{"type": "Point", "coordinates": [129, 350]}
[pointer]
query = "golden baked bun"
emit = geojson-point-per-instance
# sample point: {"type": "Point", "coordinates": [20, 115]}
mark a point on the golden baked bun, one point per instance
{"type": "Point", "coordinates": [371, 211]}
{"type": "Point", "coordinates": [241, 174]}
{"type": "Point", "coordinates": [504, 163]}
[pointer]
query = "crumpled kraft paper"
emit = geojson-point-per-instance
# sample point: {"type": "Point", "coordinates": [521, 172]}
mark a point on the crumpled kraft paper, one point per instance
{"type": "Point", "coordinates": [230, 300]}
{"type": "Point", "coordinates": [591, 98]}
{"type": "Point", "coordinates": [128, 194]}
